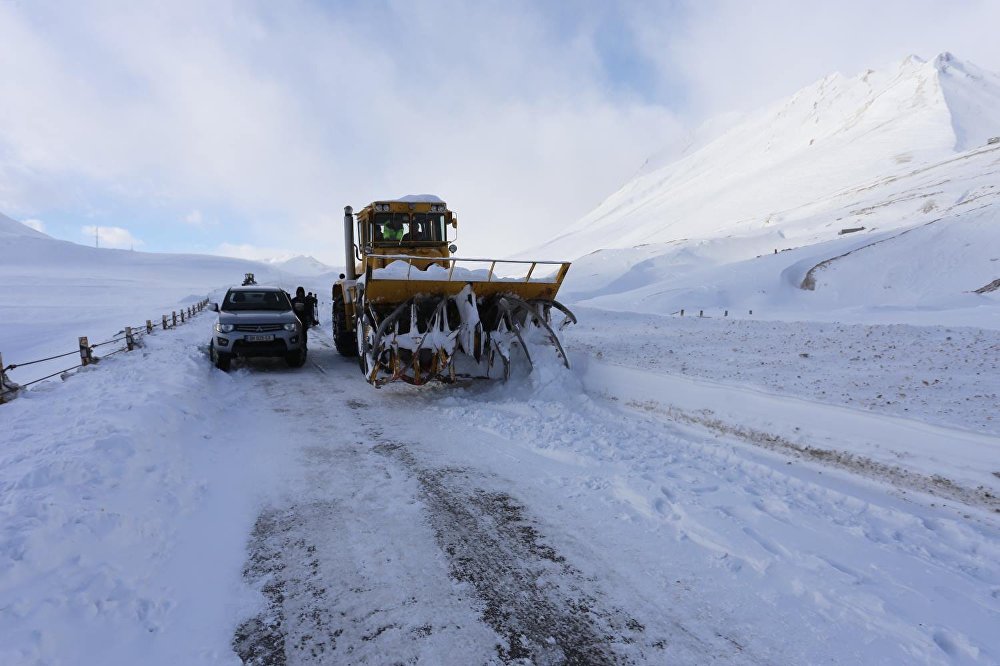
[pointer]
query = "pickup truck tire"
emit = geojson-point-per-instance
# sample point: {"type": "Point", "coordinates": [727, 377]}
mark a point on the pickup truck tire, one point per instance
{"type": "Point", "coordinates": [222, 360]}
{"type": "Point", "coordinates": [296, 359]}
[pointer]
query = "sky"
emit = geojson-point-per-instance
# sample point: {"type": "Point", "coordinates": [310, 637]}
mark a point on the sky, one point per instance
{"type": "Point", "coordinates": [244, 127]}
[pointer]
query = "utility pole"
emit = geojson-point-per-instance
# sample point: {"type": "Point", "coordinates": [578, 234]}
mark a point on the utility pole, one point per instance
{"type": "Point", "coordinates": [96, 229]}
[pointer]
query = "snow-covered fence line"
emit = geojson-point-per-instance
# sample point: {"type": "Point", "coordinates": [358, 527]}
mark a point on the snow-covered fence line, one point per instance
{"type": "Point", "coordinates": [129, 337]}
{"type": "Point", "coordinates": [701, 313]}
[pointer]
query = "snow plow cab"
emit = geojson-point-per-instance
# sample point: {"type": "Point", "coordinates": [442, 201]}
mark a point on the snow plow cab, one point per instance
{"type": "Point", "coordinates": [412, 312]}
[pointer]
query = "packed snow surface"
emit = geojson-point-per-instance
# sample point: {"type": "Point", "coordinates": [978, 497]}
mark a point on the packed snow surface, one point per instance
{"type": "Point", "coordinates": [156, 510]}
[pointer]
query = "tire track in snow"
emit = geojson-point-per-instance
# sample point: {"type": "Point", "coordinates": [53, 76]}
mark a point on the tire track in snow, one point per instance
{"type": "Point", "coordinates": [542, 609]}
{"type": "Point", "coordinates": [532, 597]}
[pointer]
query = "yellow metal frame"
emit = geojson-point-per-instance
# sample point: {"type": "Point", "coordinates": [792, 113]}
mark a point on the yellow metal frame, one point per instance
{"type": "Point", "coordinates": [397, 290]}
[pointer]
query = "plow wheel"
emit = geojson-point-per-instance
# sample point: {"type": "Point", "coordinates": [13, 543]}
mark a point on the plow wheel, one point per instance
{"type": "Point", "coordinates": [366, 347]}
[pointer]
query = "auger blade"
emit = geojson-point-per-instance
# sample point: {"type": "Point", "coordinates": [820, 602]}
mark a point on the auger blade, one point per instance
{"type": "Point", "coordinates": [421, 339]}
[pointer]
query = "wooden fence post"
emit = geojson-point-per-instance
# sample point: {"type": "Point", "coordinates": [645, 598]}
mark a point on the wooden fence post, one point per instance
{"type": "Point", "coordinates": [149, 325]}
{"type": "Point", "coordinates": [164, 322]}
{"type": "Point", "coordinates": [726, 313]}
{"type": "Point", "coordinates": [129, 340]}
{"type": "Point", "coordinates": [174, 313]}
{"type": "Point", "coordinates": [701, 313]}
{"type": "Point", "coordinates": [182, 315]}
{"type": "Point", "coordinates": [86, 357]}
{"type": "Point", "coordinates": [682, 312]}
{"type": "Point", "coordinates": [8, 389]}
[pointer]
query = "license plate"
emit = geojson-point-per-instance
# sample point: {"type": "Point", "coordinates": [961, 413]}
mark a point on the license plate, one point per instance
{"type": "Point", "coordinates": [260, 338]}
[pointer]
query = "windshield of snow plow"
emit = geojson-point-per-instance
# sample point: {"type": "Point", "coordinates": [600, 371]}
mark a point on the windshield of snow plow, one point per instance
{"type": "Point", "coordinates": [405, 228]}
{"type": "Point", "coordinates": [256, 300]}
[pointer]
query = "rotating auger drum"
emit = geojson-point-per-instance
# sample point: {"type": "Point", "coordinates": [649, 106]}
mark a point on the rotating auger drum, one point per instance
{"type": "Point", "coordinates": [429, 338]}
{"type": "Point", "coordinates": [413, 313]}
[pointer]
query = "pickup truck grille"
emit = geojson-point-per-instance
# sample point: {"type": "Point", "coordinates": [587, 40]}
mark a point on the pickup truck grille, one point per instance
{"type": "Point", "coordinates": [258, 328]}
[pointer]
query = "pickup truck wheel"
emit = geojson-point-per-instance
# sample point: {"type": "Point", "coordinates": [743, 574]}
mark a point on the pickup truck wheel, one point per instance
{"type": "Point", "coordinates": [222, 360]}
{"type": "Point", "coordinates": [296, 359]}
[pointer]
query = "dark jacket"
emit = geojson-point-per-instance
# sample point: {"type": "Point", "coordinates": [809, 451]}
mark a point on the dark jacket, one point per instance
{"type": "Point", "coordinates": [303, 310]}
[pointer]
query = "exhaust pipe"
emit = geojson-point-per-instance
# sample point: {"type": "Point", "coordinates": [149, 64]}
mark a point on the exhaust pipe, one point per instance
{"type": "Point", "coordinates": [349, 271]}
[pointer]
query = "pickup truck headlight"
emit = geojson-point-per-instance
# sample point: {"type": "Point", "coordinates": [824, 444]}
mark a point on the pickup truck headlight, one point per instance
{"type": "Point", "coordinates": [291, 327]}
{"type": "Point", "coordinates": [224, 328]}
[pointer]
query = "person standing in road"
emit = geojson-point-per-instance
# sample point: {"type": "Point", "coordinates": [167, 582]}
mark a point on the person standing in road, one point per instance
{"type": "Point", "coordinates": [313, 308]}
{"type": "Point", "coordinates": [303, 310]}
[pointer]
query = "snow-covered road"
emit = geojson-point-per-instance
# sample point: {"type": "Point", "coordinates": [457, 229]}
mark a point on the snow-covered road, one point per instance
{"type": "Point", "coordinates": [159, 511]}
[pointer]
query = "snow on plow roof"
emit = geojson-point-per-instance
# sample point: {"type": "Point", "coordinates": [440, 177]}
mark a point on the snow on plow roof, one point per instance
{"type": "Point", "coordinates": [416, 198]}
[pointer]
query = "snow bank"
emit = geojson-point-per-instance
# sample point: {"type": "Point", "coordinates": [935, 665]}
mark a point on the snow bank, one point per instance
{"type": "Point", "coordinates": [112, 483]}
{"type": "Point", "coordinates": [416, 198]}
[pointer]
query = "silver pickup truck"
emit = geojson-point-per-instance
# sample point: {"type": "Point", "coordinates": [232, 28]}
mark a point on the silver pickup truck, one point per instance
{"type": "Point", "coordinates": [256, 321]}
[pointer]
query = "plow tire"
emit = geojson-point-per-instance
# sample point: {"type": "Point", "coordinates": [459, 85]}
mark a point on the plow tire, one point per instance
{"type": "Point", "coordinates": [344, 339]}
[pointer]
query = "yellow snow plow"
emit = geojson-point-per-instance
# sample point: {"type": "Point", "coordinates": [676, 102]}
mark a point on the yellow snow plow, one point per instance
{"type": "Point", "coordinates": [412, 312]}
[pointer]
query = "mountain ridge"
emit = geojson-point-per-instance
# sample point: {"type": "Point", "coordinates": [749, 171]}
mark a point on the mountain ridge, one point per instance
{"type": "Point", "coordinates": [826, 137]}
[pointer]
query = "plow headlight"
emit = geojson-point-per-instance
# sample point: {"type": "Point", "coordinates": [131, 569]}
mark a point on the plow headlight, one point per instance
{"type": "Point", "coordinates": [224, 328]}
{"type": "Point", "coordinates": [290, 326]}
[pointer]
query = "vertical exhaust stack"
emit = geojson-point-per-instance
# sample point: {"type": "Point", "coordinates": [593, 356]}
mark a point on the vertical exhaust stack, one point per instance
{"type": "Point", "coordinates": [349, 272]}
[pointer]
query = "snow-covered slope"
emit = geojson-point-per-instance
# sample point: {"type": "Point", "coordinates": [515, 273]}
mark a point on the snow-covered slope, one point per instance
{"type": "Point", "coordinates": [832, 135]}
{"type": "Point", "coordinates": [54, 291]}
{"type": "Point", "coordinates": [884, 151]}
{"type": "Point", "coordinates": [13, 229]}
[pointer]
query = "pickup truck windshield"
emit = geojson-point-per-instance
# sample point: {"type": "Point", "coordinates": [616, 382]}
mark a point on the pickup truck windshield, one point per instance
{"type": "Point", "coordinates": [256, 300]}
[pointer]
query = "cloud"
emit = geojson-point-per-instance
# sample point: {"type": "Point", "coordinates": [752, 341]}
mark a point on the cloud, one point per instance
{"type": "Point", "coordinates": [282, 118]}
{"type": "Point", "coordinates": [195, 218]}
{"type": "Point", "coordinates": [111, 237]}
{"type": "Point", "coordinates": [37, 225]}
{"type": "Point", "coordinates": [522, 115]}
{"type": "Point", "coordinates": [736, 55]}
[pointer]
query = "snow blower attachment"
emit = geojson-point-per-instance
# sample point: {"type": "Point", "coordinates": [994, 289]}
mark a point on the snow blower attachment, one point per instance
{"type": "Point", "coordinates": [411, 312]}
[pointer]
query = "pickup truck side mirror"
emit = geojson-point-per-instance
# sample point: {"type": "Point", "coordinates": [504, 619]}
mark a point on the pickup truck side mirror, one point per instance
{"type": "Point", "coordinates": [214, 307]}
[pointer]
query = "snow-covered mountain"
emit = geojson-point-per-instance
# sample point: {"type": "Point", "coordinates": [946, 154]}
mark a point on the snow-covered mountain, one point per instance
{"type": "Point", "coordinates": [302, 265]}
{"type": "Point", "coordinates": [885, 150]}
